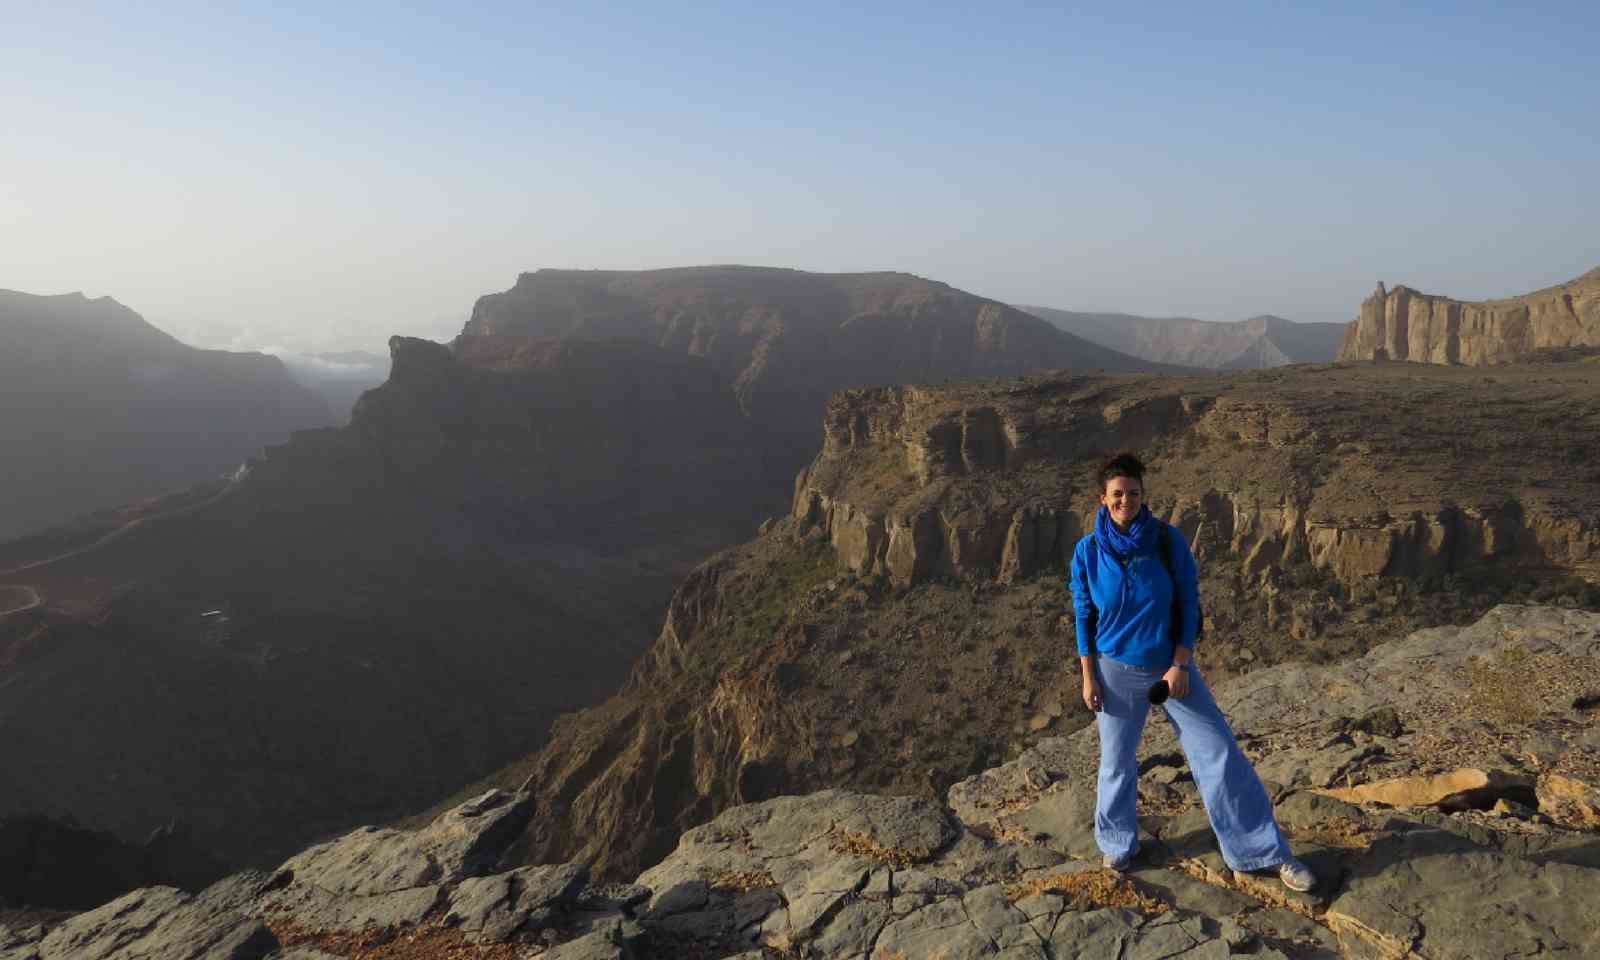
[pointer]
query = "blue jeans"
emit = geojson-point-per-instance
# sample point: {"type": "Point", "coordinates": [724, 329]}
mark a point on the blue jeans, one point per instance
{"type": "Point", "coordinates": [1237, 803]}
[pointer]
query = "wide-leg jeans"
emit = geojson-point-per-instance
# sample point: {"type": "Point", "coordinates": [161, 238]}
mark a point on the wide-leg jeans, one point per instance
{"type": "Point", "coordinates": [1238, 805]}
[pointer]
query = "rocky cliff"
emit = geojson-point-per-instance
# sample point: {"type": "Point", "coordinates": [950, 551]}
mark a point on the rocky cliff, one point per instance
{"type": "Point", "coordinates": [363, 619]}
{"type": "Point", "coordinates": [98, 407]}
{"type": "Point", "coordinates": [786, 339]}
{"type": "Point", "coordinates": [904, 624]}
{"type": "Point", "coordinates": [1256, 343]}
{"type": "Point", "coordinates": [1403, 324]}
{"type": "Point", "coordinates": [1483, 846]}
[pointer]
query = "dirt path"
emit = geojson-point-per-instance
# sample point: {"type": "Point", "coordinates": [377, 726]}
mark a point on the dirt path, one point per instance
{"type": "Point", "coordinates": [114, 535]}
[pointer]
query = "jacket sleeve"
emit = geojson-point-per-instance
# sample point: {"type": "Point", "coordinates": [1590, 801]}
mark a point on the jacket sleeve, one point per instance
{"type": "Point", "coordinates": [1082, 601]}
{"type": "Point", "coordinates": [1187, 575]}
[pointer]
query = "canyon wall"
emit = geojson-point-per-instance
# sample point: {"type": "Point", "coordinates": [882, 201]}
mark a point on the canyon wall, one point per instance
{"type": "Point", "coordinates": [927, 528]}
{"type": "Point", "coordinates": [1403, 324]}
{"type": "Point", "coordinates": [907, 622]}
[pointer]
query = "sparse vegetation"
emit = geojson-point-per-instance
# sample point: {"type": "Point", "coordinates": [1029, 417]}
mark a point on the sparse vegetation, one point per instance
{"type": "Point", "coordinates": [1090, 889]}
{"type": "Point", "coordinates": [864, 845]}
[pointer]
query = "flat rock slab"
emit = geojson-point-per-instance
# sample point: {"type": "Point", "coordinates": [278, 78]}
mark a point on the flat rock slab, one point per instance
{"type": "Point", "coordinates": [464, 842]}
{"type": "Point", "coordinates": [783, 839]}
{"type": "Point", "coordinates": [525, 900]}
{"type": "Point", "coordinates": [311, 908]}
{"type": "Point", "coordinates": [1441, 896]}
{"type": "Point", "coordinates": [159, 923]}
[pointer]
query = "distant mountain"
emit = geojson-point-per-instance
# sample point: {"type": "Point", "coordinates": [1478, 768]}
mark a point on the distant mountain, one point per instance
{"type": "Point", "coordinates": [1263, 341]}
{"type": "Point", "coordinates": [340, 378]}
{"type": "Point", "coordinates": [786, 340]}
{"type": "Point", "coordinates": [98, 407]}
{"type": "Point", "coordinates": [1403, 324]}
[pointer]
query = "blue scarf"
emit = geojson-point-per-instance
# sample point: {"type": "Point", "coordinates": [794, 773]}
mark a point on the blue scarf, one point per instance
{"type": "Point", "coordinates": [1140, 538]}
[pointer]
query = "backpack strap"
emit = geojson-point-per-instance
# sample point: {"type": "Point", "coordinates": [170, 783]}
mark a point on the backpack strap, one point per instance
{"type": "Point", "coordinates": [1164, 540]}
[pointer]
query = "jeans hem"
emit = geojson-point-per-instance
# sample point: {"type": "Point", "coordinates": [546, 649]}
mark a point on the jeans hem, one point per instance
{"type": "Point", "coordinates": [1260, 863]}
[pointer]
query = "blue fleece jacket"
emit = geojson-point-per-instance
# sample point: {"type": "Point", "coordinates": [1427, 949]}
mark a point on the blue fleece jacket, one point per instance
{"type": "Point", "coordinates": [1125, 612]}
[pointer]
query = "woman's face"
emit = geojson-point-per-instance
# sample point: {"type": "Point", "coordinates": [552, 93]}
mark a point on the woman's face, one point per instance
{"type": "Point", "coordinates": [1123, 497]}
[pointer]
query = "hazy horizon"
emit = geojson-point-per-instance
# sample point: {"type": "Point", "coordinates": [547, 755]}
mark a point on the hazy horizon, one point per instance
{"type": "Point", "coordinates": [309, 180]}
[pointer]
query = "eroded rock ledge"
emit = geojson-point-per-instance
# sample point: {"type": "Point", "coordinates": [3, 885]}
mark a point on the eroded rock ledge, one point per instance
{"type": "Point", "coordinates": [1403, 324]}
{"type": "Point", "coordinates": [1008, 869]}
{"type": "Point", "coordinates": [1332, 467]}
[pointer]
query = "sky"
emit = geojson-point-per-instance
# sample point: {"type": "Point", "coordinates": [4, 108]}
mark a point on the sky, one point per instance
{"type": "Point", "coordinates": [321, 176]}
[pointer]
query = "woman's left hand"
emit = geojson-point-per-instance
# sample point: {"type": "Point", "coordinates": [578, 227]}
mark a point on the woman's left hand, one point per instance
{"type": "Point", "coordinates": [1177, 681]}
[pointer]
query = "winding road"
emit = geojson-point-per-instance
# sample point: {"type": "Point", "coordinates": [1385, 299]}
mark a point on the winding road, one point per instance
{"type": "Point", "coordinates": [10, 594]}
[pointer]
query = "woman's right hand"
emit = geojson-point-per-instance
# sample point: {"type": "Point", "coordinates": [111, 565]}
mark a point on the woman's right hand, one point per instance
{"type": "Point", "coordinates": [1091, 694]}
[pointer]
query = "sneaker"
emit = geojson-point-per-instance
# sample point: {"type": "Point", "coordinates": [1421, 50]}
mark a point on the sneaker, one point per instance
{"type": "Point", "coordinates": [1119, 864]}
{"type": "Point", "coordinates": [1297, 876]}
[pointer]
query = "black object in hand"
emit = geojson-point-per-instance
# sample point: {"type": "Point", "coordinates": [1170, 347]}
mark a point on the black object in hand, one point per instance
{"type": "Point", "coordinates": [1159, 692]}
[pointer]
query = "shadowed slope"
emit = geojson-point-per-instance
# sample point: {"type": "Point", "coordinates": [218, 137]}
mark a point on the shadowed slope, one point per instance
{"type": "Point", "coordinates": [98, 407]}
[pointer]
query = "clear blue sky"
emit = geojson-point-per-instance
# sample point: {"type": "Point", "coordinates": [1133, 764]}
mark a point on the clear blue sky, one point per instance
{"type": "Point", "coordinates": [298, 176]}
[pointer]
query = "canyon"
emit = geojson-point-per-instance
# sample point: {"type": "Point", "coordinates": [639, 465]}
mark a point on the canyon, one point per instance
{"type": "Point", "coordinates": [906, 621]}
{"type": "Point", "coordinates": [489, 542]}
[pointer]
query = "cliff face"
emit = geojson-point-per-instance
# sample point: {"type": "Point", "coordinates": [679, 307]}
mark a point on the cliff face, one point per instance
{"type": "Point", "coordinates": [1261, 469]}
{"type": "Point", "coordinates": [365, 618]}
{"type": "Point", "coordinates": [1403, 324]}
{"type": "Point", "coordinates": [786, 339]}
{"type": "Point", "coordinates": [98, 407]}
{"type": "Point", "coordinates": [904, 625]}
{"type": "Point", "coordinates": [1256, 343]}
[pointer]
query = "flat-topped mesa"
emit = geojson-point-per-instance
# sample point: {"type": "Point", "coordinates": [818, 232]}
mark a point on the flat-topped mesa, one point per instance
{"type": "Point", "coordinates": [1404, 324]}
{"type": "Point", "coordinates": [995, 481]}
{"type": "Point", "coordinates": [784, 340]}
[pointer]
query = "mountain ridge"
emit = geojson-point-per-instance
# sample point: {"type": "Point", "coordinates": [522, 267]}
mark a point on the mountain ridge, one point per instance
{"type": "Point", "coordinates": [100, 407]}
{"type": "Point", "coordinates": [1260, 341]}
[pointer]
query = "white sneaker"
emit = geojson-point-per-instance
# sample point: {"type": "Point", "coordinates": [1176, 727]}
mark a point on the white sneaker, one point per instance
{"type": "Point", "coordinates": [1118, 864]}
{"type": "Point", "coordinates": [1297, 876]}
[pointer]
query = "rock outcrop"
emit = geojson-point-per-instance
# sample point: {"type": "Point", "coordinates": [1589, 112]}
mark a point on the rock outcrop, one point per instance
{"type": "Point", "coordinates": [1007, 869]}
{"type": "Point", "coordinates": [1403, 324]}
{"type": "Point", "coordinates": [915, 483]}
{"type": "Point", "coordinates": [1253, 344]}
{"type": "Point", "coordinates": [98, 408]}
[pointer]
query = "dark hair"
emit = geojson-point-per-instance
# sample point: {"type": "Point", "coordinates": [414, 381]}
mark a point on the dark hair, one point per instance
{"type": "Point", "coordinates": [1122, 465]}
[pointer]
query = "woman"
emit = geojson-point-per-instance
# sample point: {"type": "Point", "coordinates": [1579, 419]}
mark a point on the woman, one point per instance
{"type": "Point", "coordinates": [1123, 596]}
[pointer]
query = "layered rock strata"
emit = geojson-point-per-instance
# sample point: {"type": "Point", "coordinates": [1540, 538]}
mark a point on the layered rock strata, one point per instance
{"type": "Point", "coordinates": [1007, 870]}
{"type": "Point", "coordinates": [1403, 324]}
{"type": "Point", "coordinates": [1263, 472]}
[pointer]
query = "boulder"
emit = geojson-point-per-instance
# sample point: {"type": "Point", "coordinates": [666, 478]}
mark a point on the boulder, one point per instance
{"type": "Point", "coordinates": [1569, 800]}
{"type": "Point", "coordinates": [1455, 790]}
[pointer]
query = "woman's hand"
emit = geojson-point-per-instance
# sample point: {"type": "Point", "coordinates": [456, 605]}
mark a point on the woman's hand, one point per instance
{"type": "Point", "coordinates": [1177, 681]}
{"type": "Point", "coordinates": [1091, 694]}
